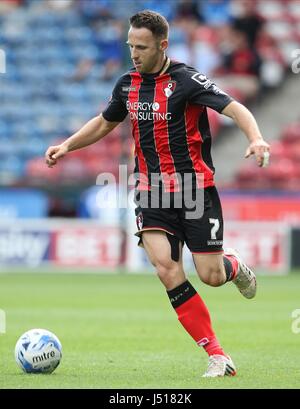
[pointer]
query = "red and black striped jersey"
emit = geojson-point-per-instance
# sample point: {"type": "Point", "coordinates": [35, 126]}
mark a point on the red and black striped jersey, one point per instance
{"type": "Point", "coordinates": [169, 121]}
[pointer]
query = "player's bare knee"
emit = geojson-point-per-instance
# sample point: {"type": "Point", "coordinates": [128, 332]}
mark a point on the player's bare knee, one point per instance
{"type": "Point", "coordinates": [166, 268]}
{"type": "Point", "coordinates": [168, 272]}
{"type": "Point", "coordinates": [213, 277]}
{"type": "Point", "coordinates": [216, 280]}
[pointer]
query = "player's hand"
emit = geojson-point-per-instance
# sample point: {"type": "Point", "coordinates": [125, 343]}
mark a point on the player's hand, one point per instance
{"type": "Point", "coordinates": [261, 150]}
{"type": "Point", "coordinates": [54, 153]}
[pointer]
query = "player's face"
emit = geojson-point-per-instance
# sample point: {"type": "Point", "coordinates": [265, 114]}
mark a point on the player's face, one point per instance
{"type": "Point", "coordinates": [147, 52]}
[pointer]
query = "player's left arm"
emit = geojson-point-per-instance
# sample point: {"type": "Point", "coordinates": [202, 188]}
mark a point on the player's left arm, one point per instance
{"type": "Point", "coordinates": [247, 123]}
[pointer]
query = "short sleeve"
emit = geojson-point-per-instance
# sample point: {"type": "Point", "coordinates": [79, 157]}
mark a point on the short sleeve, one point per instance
{"type": "Point", "coordinates": [116, 110]}
{"type": "Point", "coordinates": [202, 91]}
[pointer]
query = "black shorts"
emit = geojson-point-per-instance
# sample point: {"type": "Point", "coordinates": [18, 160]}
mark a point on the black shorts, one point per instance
{"type": "Point", "coordinates": [202, 234]}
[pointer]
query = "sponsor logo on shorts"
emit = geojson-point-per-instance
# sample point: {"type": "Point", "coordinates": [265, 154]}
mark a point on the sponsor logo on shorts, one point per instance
{"type": "Point", "coordinates": [139, 221]}
{"type": "Point", "coordinates": [215, 242]}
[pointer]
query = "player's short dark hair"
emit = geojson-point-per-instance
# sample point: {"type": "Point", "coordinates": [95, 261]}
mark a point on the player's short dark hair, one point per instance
{"type": "Point", "coordinates": [154, 22]}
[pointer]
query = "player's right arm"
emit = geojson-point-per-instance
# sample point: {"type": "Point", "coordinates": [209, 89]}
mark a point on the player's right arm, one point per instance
{"type": "Point", "coordinates": [91, 132]}
{"type": "Point", "coordinates": [96, 128]}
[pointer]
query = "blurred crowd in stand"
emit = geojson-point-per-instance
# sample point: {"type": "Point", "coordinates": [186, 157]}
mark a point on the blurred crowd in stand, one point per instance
{"type": "Point", "coordinates": [63, 57]}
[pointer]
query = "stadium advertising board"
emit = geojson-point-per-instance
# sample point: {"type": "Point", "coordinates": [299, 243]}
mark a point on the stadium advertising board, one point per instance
{"type": "Point", "coordinates": [284, 208]}
{"type": "Point", "coordinates": [77, 244]}
{"type": "Point", "coordinates": [21, 246]}
{"type": "Point", "coordinates": [93, 247]}
{"type": "Point", "coordinates": [60, 243]}
{"type": "Point", "coordinates": [264, 246]}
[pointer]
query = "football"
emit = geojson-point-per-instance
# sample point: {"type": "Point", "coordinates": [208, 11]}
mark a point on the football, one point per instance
{"type": "Point", "coordinates": [38, 351]}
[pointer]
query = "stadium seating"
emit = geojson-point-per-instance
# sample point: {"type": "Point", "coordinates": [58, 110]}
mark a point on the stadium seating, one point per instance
{"type": "Point", "coordinates": [284, 170]}
{"type": "Point", "coordinates": [43, 98]}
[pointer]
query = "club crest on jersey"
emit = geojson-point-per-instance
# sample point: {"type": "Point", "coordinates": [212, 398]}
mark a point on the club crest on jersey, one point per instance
{"type": "Point", "coordinates": [169, 88]}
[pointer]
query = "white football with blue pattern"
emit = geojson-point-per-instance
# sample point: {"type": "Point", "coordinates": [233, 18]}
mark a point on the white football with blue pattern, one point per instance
{"type": "Point", "coordinates": [38, 351]}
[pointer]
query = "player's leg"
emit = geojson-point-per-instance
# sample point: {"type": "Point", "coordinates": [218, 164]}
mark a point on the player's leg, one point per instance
{"type": "Point", "coordinates": [244, 279]}
{"type": "Point", "coordinates": [204, 237]}
{"type": "Point", "coordinates": [205, 240]}
{"type": "Point", "coordinates": [218, 269]}
{"type": "Point", "coordinates": [215, 269]}
{"type": "Point", "coordinates": [165, 253]}
{"type": "Point", "coordinates": [210, 268]}
{"type": "Point", "coordinates": [158, 246]}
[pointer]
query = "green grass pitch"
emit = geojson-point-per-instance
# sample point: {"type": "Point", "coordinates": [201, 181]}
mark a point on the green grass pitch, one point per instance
{"type": "Point", "coordinates": [119, 331]}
